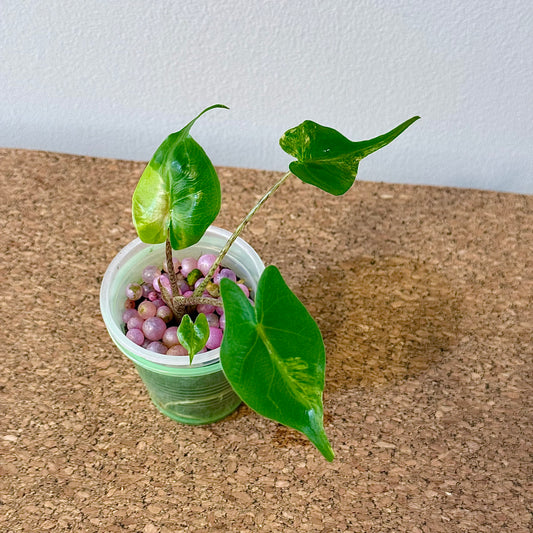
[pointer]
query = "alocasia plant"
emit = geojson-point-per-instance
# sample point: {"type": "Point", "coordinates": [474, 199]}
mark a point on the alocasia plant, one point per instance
{"type": "Point", "coordinates": [272, 352]}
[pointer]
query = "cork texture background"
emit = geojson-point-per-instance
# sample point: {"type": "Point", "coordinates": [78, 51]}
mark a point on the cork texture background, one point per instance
{"type": "Point", "coordinates": [424, 297]}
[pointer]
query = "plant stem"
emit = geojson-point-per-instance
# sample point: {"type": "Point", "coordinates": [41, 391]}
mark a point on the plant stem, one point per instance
{"type": "Point", "coordinates": [167, 299]}
{"type": "Point", "coordinates": [196, 300]}
{"type": "Point", "coordinates": [200, 289]}
{"type": "Point", "coordinates": [170, 269]}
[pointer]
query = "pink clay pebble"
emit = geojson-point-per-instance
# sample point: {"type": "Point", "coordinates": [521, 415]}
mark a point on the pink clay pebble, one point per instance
{"type": "Point", "coordinates": [188, 265]}
{"type": "Point", "coordinates": [149, 273]}
{"type": "Point", "coordinates": [215, 338]}
{"type": "Point", "coordinates": [170, 337]}
{"type": "Point", "coordinates": [135, 322]}
{"type": "Point", "coordinates": [129, 304]}
{"type": "Point", "coordinates": [147, 309]}
{"type": "Point", "coordinates": [147, 289]}
{"type": "Point", "coordinates": [134, 291]}
{"type": "Point", "coordinates": [162, 281]}
{"type": "Point", "coordinates": [205, 262]}
{"type": "Point", "coordinates": [157, 347]}
{"type": "Point", "coordinates": [165, 313]}
{"type": "Point", "coordinates": [212, 320]}
{"type": "Point", "coordinates": [129, 313]}
{"type": "Point", "coordinates": [135, 335]}
{"type": "Point", "coordinates": [206, 309]}
{"type": "Point", "coordinates": [177, 349]}
{"type": "Point", "coordinates": [183, 286]}
{"type": "Point", "coordinates": [224, 273]}
{"type": "Point", "coordinates": [154, 328]}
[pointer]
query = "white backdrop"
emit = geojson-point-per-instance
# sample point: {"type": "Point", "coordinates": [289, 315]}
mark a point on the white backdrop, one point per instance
{"type": "Point", "coordinates": [113, 78]}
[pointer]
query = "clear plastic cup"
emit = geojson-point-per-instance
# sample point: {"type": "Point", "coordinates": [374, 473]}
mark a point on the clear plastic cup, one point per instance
{"type": "Point", "coordinates": [191, 394]}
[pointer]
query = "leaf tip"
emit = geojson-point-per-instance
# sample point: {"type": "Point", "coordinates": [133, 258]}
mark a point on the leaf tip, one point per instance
{"type": "Point", "coordinates": [329, 455]}
{"type": "Point", "coordinates": [322, 444]}
{"type": "Point", "coordinates": [214, 106]}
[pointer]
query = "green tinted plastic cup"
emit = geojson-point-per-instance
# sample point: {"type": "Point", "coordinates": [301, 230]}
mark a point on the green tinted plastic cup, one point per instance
{"type": "Point", "coordinates": [191, 394]}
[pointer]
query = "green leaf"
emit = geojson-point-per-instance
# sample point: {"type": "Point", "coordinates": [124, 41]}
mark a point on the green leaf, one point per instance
{"type": "Point", "coordinates": [273, 356]}
{"type": "Point", "coordinates": [327, 159]}
{"type": "Point", "coordinates": [178, 194]}
{"type": "Point", "coordinates": [193, 336]}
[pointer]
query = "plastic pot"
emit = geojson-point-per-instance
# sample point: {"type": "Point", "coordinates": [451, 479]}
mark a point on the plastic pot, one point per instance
{"type": "Point", "coordinates": [191, 394]}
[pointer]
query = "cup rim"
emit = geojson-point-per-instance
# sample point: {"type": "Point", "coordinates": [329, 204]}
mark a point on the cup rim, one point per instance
{"type": "Point", "coordinates": [135, 352]}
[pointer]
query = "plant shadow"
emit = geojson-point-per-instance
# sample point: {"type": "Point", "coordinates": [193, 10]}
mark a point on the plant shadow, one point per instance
{"type": "Point", "coordinates": [383, 319]}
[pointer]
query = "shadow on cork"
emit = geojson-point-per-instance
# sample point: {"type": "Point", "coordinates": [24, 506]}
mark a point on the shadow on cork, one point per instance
{"type": "Point", "coordinates": [383, 319]}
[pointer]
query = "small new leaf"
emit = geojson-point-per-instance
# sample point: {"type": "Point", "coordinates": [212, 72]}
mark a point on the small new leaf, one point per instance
{"type": "Point", "coordinates": [327, 159]}
{"type": "Point", "coordinates": [193, 336]}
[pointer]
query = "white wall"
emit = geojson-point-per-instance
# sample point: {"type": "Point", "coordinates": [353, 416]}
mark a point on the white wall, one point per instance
{"type": "Point", "coordinates": [113, 78]}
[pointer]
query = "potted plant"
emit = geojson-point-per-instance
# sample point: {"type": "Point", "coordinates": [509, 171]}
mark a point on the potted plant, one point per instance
{"type": "Point", "coordinates": [272, 355]}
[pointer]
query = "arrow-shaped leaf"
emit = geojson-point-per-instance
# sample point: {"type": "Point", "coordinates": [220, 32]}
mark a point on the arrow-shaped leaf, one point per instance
{"type": "Point", "coordinates": [193, 336]}
{"type": "Point", "coordinates": [327, 159]}
{"type": "Point", "coordinates": [178, 194]}
{"type": "Point", "coordinates": [273, 356]}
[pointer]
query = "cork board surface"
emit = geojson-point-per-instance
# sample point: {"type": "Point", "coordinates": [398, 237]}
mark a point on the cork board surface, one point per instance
{"type": "Point", "coordinates": [424, 297]}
